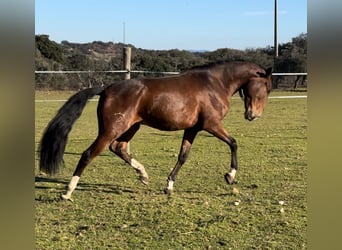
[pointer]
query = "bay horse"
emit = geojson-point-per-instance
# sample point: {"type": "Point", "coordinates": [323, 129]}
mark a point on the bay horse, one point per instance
{"type": "Point", "coordinates": [196, 99]}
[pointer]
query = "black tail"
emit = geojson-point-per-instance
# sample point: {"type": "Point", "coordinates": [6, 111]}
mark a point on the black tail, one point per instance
{"type": "Point", "coordinates": [53, 142]}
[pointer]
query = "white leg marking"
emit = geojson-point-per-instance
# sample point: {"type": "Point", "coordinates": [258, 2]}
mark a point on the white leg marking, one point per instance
{"type": "Point", "coordinates": [138, 166]}
{"type": "Point", "coordinates": [170, 185]}
{"type": "Point", "coordinates": [232, 172]}
{"type": "Point", "coordinates": [71, 187]}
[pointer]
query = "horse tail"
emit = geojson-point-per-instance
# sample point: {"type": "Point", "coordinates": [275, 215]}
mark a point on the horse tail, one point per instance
{"type": "Point", "coordinates": [54, 139]}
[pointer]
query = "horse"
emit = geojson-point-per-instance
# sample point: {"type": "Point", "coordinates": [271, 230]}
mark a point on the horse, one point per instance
{"type": "Point", "coordinates": [195, 100]}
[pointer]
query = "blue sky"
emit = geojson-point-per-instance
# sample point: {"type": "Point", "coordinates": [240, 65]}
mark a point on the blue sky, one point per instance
{"type": "Point", "coordinates": [170, 24]}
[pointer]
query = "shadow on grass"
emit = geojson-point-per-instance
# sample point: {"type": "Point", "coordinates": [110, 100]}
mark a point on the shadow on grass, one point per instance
{"type": "Point", "coordinates": [105, 153]}
{"type": "Point", "coordinates": [52, 189]}
{"type": "Point", "coordinates": [47, 184]}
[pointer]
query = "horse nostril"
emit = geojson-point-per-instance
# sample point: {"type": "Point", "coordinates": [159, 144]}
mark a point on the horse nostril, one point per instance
{"type": "Point", "coordinates": [249, 115]}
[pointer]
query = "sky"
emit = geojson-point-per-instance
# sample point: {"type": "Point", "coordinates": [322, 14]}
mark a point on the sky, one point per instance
{"type": "Point", "coordinates": [172, 24]}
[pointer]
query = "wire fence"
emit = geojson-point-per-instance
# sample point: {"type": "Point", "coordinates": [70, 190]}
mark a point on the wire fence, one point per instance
{"type": "Point", "coordinates": [137, 71]}
{"type": "Point", "coordinates": [281, 80]}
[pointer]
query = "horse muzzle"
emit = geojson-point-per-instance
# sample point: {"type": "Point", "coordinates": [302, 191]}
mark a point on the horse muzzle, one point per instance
{"type": "Point", "coordinates": [250, 115]}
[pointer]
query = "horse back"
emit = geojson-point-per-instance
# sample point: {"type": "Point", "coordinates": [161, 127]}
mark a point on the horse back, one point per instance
{"type": "Point", "coordinates": [167, 103]}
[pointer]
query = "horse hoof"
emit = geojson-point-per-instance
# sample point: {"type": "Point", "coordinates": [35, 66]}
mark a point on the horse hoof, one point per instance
{"type": "Point", "coordinates": [167, 191]}
{"type": "Point", "coordinates": [229, 179]}
{"type": "Point", "coordinates": [144, 180]}
{"type": "Point", "coordinates": [66, 197]}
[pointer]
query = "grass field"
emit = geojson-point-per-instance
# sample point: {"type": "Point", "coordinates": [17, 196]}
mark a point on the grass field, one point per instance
{"type": "Point", "coordinates": [113, 210]}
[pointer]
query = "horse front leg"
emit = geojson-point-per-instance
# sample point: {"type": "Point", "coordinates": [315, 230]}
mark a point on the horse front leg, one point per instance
{"type": "Point", "coordinates": [188, 138]}
{"type": "Point", "coordinates": [219, 132]}
{"type": "Point", "coordinates": [230, 176]}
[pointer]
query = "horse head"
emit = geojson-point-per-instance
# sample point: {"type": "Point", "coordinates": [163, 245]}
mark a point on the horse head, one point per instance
{"type": "Point", "coordinates": [255, 93]}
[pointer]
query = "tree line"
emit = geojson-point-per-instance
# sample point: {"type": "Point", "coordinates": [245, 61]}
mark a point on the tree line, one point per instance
{"type": "Point", "coordinates": [101, 56]}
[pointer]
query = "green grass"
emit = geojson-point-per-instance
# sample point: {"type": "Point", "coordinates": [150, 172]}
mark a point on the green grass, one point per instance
{"type": "Point", "coordinates": [113, 210]}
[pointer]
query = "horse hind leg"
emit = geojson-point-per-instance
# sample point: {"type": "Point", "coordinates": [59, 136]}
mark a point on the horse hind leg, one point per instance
{"type": "Point", "coordinates": [94, 150]}
{"type": "Point", "coordinates": [119, 147]}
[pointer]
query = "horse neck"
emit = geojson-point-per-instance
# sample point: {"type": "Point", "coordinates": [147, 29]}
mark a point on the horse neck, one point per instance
{"type": "Point", "coordinates": [233, 82]}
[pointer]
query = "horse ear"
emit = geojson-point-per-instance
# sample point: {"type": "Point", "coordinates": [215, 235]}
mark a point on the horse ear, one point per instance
{"type": "Point", "coordinates": [267, 74]}
{"type": "Point", "coordinates": [268, 71]}
{"type": "Point", "coordinates": [261, 74]}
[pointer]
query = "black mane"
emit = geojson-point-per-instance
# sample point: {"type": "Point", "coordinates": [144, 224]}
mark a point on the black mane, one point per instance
{"type": "Point", "coordinates": [213, 65]}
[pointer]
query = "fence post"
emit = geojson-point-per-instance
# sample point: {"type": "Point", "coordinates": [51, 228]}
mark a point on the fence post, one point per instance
{"type": "Point", "coordinates": [127, 62]}
{"type": "Point", "coordinates": [127, 65]}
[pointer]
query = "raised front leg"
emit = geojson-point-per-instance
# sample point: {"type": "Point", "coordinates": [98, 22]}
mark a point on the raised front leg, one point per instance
{"type": "Point", "coordinates": [219, 132]}
{"type": "Point", "coordinates": [188, 138]}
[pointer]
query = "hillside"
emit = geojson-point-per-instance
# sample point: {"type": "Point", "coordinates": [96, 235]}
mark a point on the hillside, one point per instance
{"type": "Point", "coordinates": [104, 56]}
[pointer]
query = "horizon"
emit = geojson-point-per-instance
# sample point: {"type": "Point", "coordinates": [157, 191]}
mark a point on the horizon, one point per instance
{"type": "Point", "coordinates": [189, 50]}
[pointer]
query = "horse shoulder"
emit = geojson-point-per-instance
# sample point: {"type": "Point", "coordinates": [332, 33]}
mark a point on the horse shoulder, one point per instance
{"type": "Point", "coordinates": [215, 100]}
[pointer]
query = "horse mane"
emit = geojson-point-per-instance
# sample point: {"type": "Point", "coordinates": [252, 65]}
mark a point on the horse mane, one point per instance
{"type": "Point", "coordinates": [211, 65]}
{"type": "Point", "coordinates": [206, 66]}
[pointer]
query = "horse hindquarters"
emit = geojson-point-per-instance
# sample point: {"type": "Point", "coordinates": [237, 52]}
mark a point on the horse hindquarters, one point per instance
{"type": "Point", "coordinates": [116, 118]}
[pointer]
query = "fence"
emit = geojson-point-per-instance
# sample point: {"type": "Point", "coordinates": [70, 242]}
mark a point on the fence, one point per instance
{"type": "Point", "coordinates": [137, 71]}
{"type": "Point", "coordinates": [127, 71]}
{"type": "Point", "coordinates": [104, 71]}
{"type": "Point", "coordinates": [280, 80]}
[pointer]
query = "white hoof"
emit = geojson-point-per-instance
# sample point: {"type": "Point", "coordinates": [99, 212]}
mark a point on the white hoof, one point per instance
{"type": "Point", "coordinates": [66, 197]}
{"type": "Point", "coordinates": [168, 190]}
{"type": "Point", "coordinates": [144, 179]}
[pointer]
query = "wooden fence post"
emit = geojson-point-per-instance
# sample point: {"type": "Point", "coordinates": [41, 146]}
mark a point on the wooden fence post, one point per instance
{"type": "Point", "coordinates": [127, 65]}
{"type": "Point", "coordinates": [127, 62]}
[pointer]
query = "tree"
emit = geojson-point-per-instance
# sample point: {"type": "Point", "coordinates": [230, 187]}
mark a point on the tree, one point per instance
{"type": "Point", "coordinates": [101, 56]}
{"type": "Point", "coordinates": [49, 49]}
